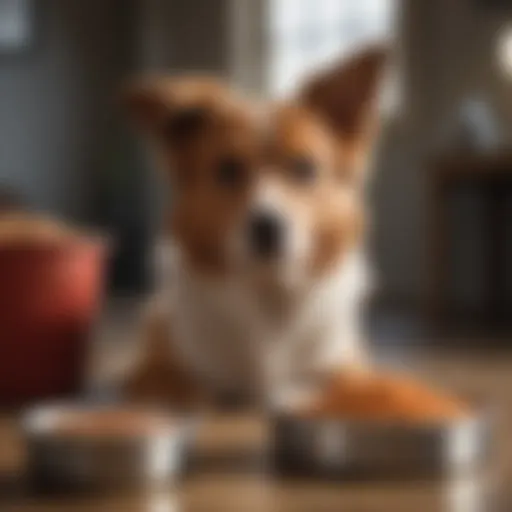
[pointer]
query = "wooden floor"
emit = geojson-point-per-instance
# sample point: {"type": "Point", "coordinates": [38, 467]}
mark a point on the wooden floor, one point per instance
{"type": "Point", "coordinates": [235, 479]}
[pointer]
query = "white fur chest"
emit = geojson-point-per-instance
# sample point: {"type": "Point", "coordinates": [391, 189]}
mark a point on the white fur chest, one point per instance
{"type": "Point", "coordinates": [236, 339]}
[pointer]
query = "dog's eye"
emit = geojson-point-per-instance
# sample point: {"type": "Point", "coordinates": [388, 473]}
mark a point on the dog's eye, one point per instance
{"type": "Point", "coordinates": [303, 169]}
{"type": "Point", "coordinates": [231, 172]}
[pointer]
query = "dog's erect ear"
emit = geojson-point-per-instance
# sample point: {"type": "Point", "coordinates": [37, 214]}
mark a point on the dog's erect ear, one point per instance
{"type": "Point", "coordinates": [174, 108]}
{"type": "Point", "coordinates": [346, 95]}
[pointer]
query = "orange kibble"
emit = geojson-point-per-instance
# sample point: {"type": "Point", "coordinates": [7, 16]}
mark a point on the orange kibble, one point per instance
{"type": "Point", "coordinates": [384, 397]}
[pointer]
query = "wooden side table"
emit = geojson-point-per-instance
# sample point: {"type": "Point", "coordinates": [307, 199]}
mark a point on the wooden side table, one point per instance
{"type": "Point", "coordinates": [491, 175]}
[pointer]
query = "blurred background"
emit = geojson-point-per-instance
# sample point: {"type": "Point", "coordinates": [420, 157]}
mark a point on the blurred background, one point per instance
{"type": "Point", "coordinates": [441, 186]}
{"type": "Point", "coordinates": [440, 191]}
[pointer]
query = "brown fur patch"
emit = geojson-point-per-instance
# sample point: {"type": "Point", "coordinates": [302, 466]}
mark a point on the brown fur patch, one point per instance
{"type": "Point", "coordinates": [333, 205]}
{"type": "Point", "coordinates": [160, 377]}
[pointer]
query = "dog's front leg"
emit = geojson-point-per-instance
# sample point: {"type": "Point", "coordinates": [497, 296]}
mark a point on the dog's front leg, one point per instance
{"type": "Point", "coordinates": [159, 375]}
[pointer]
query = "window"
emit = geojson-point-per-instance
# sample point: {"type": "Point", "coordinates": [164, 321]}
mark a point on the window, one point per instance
{"type": "Point", "coordinates": [15, 25]}
{"type": "Point", "coordinates": [305, 35]}
{"type": "Point", "coordinates": [504, 50]}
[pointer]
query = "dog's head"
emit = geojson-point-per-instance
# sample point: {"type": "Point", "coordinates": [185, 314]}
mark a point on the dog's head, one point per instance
{"type": "Point", "coordinates": [269, 190]}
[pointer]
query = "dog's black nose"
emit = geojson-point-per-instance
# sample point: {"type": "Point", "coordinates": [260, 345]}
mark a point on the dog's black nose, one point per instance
{"type": "Point", "coordinates": [265, 234]}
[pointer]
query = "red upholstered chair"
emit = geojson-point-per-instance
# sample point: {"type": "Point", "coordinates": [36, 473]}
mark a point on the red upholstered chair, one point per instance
{"type": "Point", "coordinates": [49, 294]}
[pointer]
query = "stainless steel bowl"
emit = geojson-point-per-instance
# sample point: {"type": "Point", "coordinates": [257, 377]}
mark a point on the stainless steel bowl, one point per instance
{"type": "Point", "coordinates": [365, 449]}
{"type": "Point", "coordinates": [58, 462]}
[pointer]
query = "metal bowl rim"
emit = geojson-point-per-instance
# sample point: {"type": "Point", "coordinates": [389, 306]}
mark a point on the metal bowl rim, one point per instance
{"type": "Point", "coordinates": [32, 415]}
{"type": "Point", "coordinates": [480, 417]}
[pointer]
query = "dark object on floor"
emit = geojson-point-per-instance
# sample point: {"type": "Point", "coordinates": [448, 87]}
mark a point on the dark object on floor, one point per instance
{"type": "Point", "coordinates": [490, 175]}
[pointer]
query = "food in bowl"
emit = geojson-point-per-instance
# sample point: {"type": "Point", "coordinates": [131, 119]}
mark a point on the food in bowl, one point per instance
{"type": "Point", "coordinates": [111, 422]}
{"type": "Point", "coordinates": [384, 397]}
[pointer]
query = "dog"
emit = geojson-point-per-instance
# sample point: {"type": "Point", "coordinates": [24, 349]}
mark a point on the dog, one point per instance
{"type": "Point", "coordinates": [266, 233]}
